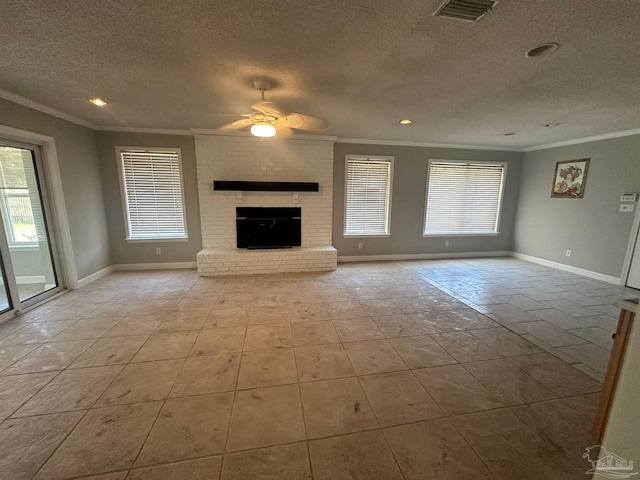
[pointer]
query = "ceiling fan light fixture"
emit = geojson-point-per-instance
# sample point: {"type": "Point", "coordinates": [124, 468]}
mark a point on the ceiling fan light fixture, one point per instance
{"type": "Point", "coordinates": [263, 129]}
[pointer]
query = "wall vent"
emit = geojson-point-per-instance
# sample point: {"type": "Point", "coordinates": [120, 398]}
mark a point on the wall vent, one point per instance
{"type": "Point", "coordinates": [467, 10]}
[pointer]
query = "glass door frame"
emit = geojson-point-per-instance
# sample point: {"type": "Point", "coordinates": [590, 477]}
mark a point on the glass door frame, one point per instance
{"type": "Point", "coordinates": [51, 232]}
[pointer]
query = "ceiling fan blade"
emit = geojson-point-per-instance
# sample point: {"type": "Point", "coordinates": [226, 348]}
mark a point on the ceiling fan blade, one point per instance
{"type": "Point", "coordinates": [237, 125]}
{"type": "Point", "coordinates": [283, 132]}
{"type": "Point", "coordinates": [269, 108]}
{"type": "Point", "coordinates": [304, 122]}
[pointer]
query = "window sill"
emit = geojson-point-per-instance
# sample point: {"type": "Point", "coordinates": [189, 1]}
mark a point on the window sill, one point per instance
{"type": "Point", "coordinates": [156, 240]}
{"type": "Point", "coordinates": [488, 234]}
{"type": "Point", "coordinates": [364, 235]}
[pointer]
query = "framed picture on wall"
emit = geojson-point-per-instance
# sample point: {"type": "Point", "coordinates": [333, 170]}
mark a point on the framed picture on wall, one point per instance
{"type": "Point", "coordinates": [570, 178]}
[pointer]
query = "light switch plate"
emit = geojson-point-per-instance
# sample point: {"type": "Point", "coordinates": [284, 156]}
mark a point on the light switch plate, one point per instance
{"type": "Point", "coordinates": [627, 207]}
{"type": "Point", "coordinates": [629, 197]}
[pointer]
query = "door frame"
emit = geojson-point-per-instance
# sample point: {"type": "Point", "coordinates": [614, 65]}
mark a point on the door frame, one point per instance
{"type": "Point", "coordinates": [68, 275]}
{"type": "Point", "coordinates": [633, 238]}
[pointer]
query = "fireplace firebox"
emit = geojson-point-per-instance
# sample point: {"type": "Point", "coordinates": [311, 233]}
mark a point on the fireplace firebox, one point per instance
{"type": "Point", "coordinates": [268, 227]}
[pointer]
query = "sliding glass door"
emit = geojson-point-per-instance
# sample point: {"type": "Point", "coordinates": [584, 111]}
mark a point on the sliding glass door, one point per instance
{"type": "Point", "coordinates": [27, 249]}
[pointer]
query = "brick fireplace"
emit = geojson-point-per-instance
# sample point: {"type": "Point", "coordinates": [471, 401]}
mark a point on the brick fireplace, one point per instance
{"type": "Point", "coordinates": [246, 158]}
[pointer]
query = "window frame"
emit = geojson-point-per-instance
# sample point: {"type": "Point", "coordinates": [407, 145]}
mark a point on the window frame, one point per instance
{"type": "Point", "coordinates": [389, 159]}
{"type": "Point", "coordinates": [123, 195]}
{"type": "Point", "coordinates": [504, 166]}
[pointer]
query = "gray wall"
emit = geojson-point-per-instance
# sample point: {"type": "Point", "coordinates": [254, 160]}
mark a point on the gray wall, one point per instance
{"type": "Point", "coordinates": [408, 202]}
{"type": "Point", "coordinates": [80, 172]}
{"type": "Point", "coordinates": [591, 227]}
{"type": "Point", "coordinates": [136, 252]}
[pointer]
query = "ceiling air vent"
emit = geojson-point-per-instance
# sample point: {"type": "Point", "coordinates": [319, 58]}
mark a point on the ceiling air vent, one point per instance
{"type": "Point", "coordinates": [467, 10]}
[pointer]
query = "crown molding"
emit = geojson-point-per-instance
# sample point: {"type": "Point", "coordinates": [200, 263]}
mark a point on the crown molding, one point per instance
{"type": "Point", "coordinates": [577, 141]}
{"type": "Point", "coordinates": [27, 102]}
{"type": "Point", "coordinates": [365, 141]}
{"type": "Point", "coordinates": [157, 131]}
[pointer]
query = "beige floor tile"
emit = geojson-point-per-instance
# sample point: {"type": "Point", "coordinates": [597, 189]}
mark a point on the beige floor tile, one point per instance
{"type": "Point", "coordinates": [227, 317]}
{"type": "Point", "coordinates": [36, 332]}
{"type": "Point", "coordinates": [510, 384]}
{"type": "Point", "coordinates": [287, 462]}
{"type": "Point", "coordinates": [435, 450]}
{"type": "Point", "coordinates": [560, 319]}
{"type": "Point", "coordinates": [266, 417]}
{"type": "Point", "coordinates": [201, 469]}
{"type": "Point", "coordinates": [9, 354]}
{"type": "Point", "coordinates": [266, 368]}
{"type": "Point", "coordinates": [397, 326]}
{"type": "Point", "coordinates": [114, 310]}
{"type": "Point", "coordinates": [219, 340]}
{"type": "Point", "coordinates": [554, 336]}
{"type": "Point", "coordinates": [142, 382]}
{"type": "Point", "coordinates": [433, 322]}
{"type": "Point", "coordinates": [359, 456]}
{"type": "Point", "coordinates": [357, 329]}
{"type": "Point", "coordinates": [322, 362]}
{"type": "Point", "coordinates": [333, 407]}
{"type": "Point", "coordinates": [591, 355]}
{"type": "Point", "coordinates": [165, 346]}
{"type": "Point", "coordinates": [469, 319]}
{"type": "Point", "coordinates": [87, 328]}
{"type": "Point", "coordinates": [565, 423]}
{"type": "Point", "coordinates": [308, 312]}
{"type": "Point", "coordinates": [209, 374]}
{"type": "Point", "coordinates": [597, 376]}
{"type": "Point", "coordinates": [105, 440]}
{"type": "Point", "coordinates": [107, 476]}
{"type": "Point", "coordinates": [313, 333]}
{"type": "Point", "coordinates": [70, 390]}
{"type": "Point", "coordinates": [184, 321]}
{"type": "Point", "coordinates": [268, 315]}
{"type": "Point", "coordinates": [137, 324]}
{"type": "Point", "coordinates": [189, 427]}
{"type": "Point", "coordinates": [548, 348]}
{"type": "Point", "coordinates": [380, 307]}
{"type": "Point", "coordinates": [50, 356]}
{"type": "Point", "coordinates": [373, 356]}
{"type": "Point", "coordinates": [421, 351]}
{"type": "Point", "coordinates": [399, 398]}
{"type": "Point", "coordinates": [197, 302]}
{"type": "Point", "coordinates": [264, 337]}
{"type": "Point", "coordinates": [502, 441]}
{"type": "Point", "coordinates": [511, 313]}
{"type": "Point", "coordinates": [110, 351]}
{"type": "Point", "coordinates": [345, 309]}
{"type": "Point", "coordinates": [15, 390]}
{"type": "Point", "coordinates": [505, 342]}
{"type": "Point", "coordinates": [455, 390]}
{"type": "Point", "coordinates": [595, 335]}
{"type": "Point", "coordinates": [26, 443]}
{"type": "Point", "coordinates": [465, 347]}
{"type": "Point", "coordinates": [555, 374]}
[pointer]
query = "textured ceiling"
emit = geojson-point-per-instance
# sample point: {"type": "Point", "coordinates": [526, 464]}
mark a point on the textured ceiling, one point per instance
{"type": "Point", "coordinates": [361, 64]}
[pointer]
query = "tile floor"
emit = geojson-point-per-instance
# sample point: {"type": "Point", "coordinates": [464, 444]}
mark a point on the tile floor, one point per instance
{"type": "Point", "coordinates": [465, 369]}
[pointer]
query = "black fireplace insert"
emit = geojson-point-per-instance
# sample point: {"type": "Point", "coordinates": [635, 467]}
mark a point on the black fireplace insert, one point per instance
{"type": "Point", "coordinates": [268, 227]}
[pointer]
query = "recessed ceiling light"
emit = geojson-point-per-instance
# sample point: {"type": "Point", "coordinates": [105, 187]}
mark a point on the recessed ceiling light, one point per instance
{"type": "Point", "coordinates": [509, 134]}
{"type": "Point", "coordinates": [551, 124]}
{"type": "Point", "coordinates": [542, 50]}
{"type": "Point", "coordinates": [98, 101]}
{"type": "Point", "coordinates": [406, 121]}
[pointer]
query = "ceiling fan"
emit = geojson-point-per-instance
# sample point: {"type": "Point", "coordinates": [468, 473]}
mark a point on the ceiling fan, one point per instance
{"type": "Point", "coordinates": [269, 120]}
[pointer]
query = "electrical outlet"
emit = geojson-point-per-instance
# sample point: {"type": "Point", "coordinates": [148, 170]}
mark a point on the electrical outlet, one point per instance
{"type": "Point", "coordinates": [158, 251]}
{"type": "Point", "coordinates": [446, 243]}
{"type": "Point", "coordinates": [360, 245]}
{"type": "Point", "coordinates": [627, 208]}
{"type": "Point", "coordinates": [568, 254]}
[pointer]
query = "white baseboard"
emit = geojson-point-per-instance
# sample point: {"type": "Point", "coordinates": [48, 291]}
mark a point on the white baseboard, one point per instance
{"type": "Point", "coordinates": [95, 276]}
{"type": "Point", "coordinates": [23, 280]}
{"type": "Point", "coordinates": [420, 256]}
{"type": "Point", "coordinates": [155, 266]}
{"type": "Point", "coordinates": [568, 268]}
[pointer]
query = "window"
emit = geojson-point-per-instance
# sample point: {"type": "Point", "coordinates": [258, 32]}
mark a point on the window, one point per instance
{"type": "Point", "coordinates": [152, 193]}
{"type": "Point", "coordinates": [464, 198]}
{"type": "Point", "coordinates": [368, 192]}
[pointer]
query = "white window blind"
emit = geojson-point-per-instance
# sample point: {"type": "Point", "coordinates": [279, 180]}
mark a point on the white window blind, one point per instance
{"type": "Point", "coordinates": [463, 198]}
{"type": "Point", "coordinates": [153, 196]}
{"type": "Point", "coordinates": [368, 196]}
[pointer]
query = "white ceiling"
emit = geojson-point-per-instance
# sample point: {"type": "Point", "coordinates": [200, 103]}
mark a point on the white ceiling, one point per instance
{"type": "Point", "coordinates": [361, 64]}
